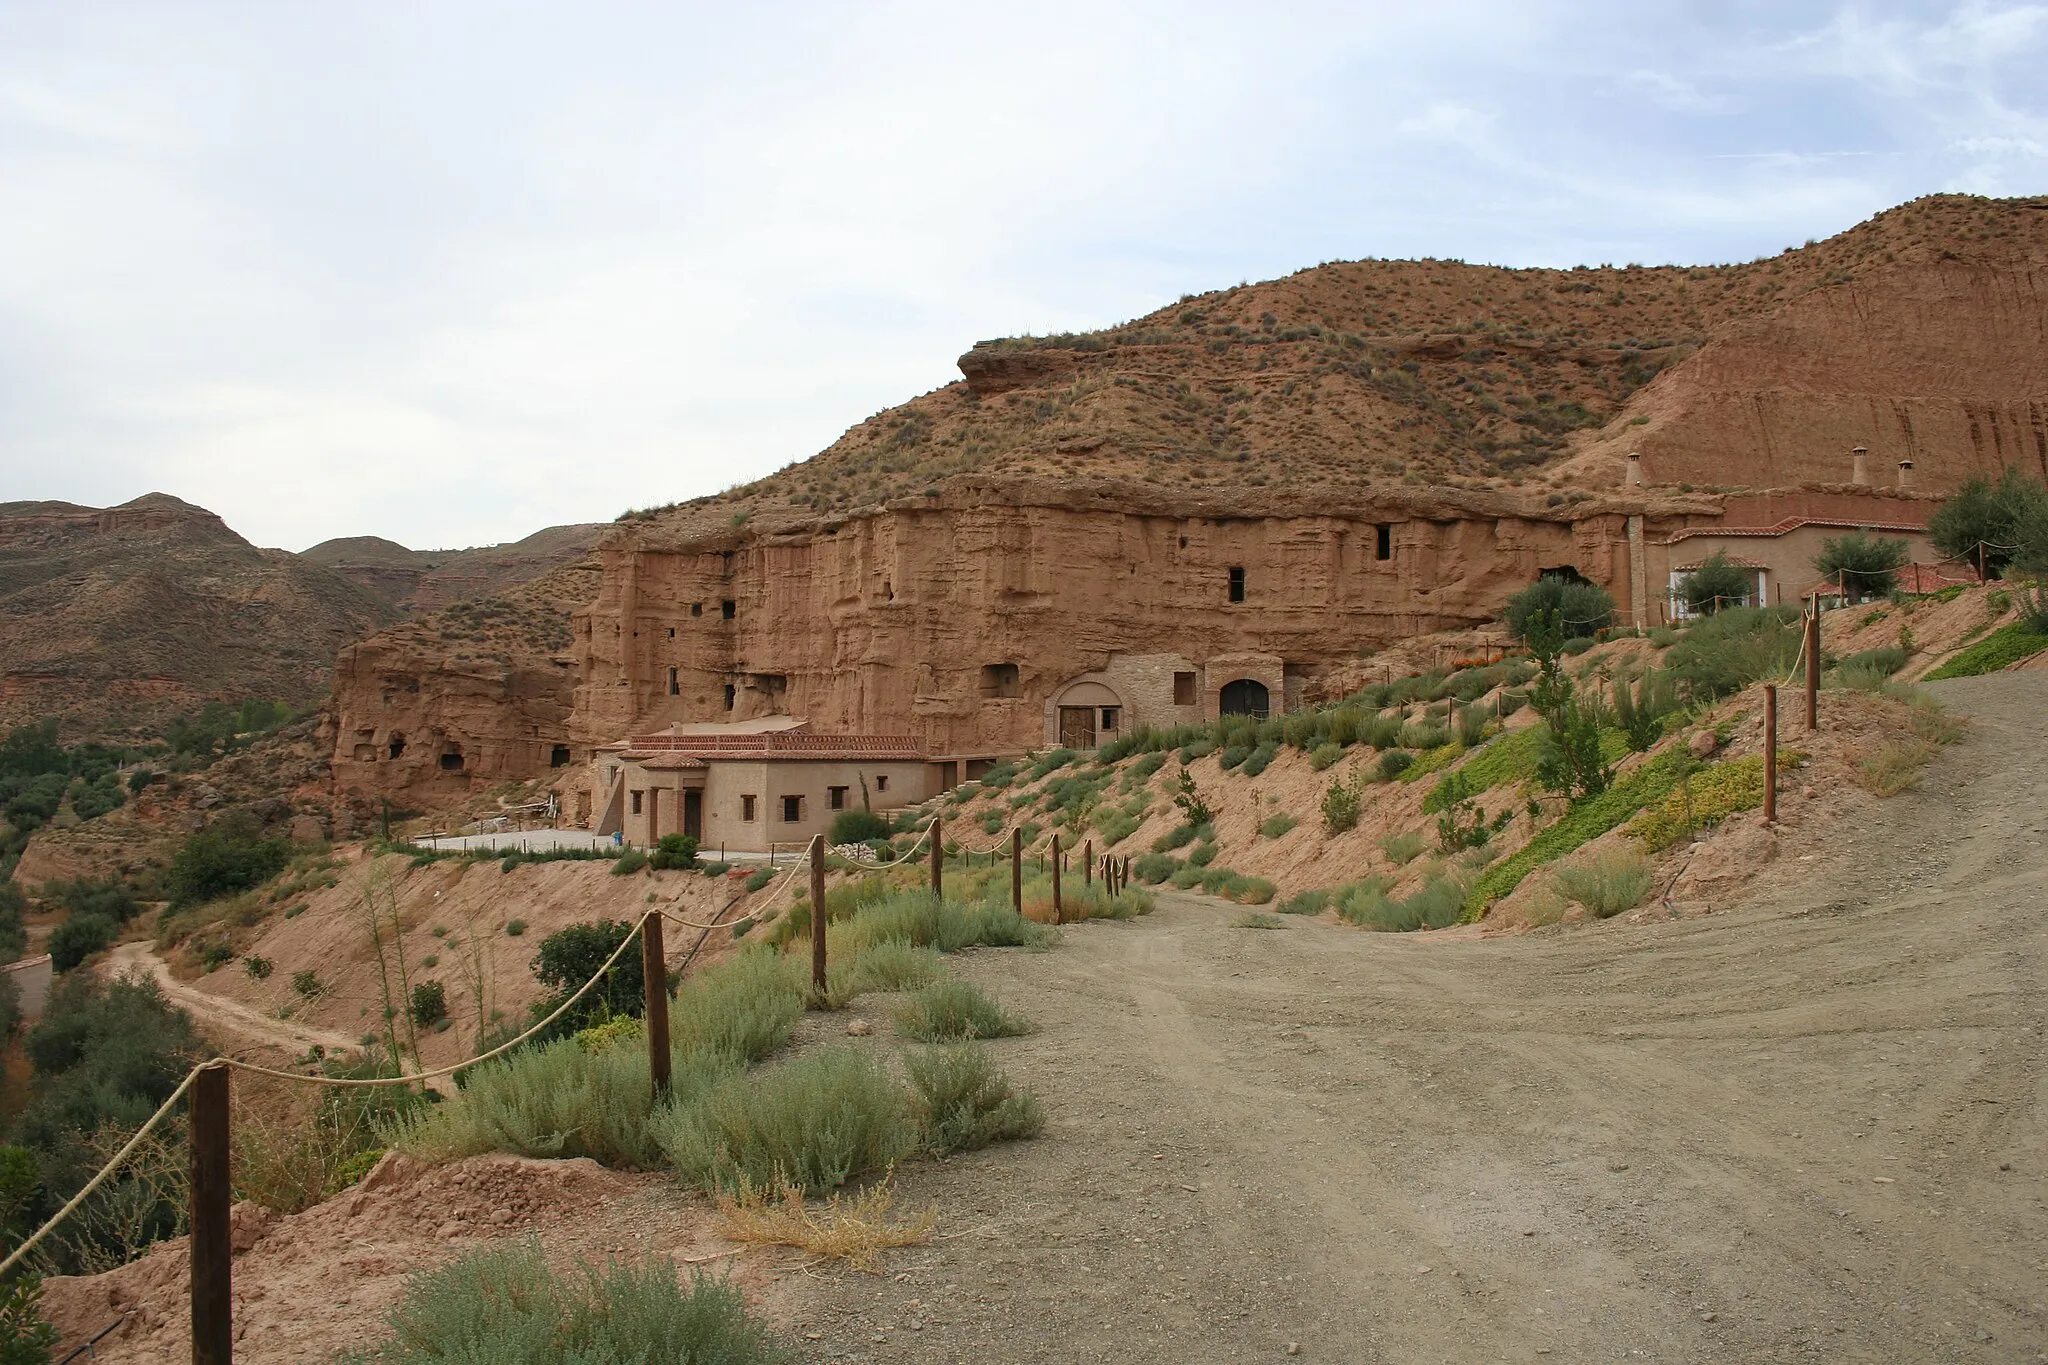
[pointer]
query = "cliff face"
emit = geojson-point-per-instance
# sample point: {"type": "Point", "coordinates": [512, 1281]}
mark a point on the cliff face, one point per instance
{"type": "Point", "coordinates": [122, 617]}
{"type": "Point", "coordinates": [421, 581]}
{"type": "Point", "coordinates": [1057, 532]}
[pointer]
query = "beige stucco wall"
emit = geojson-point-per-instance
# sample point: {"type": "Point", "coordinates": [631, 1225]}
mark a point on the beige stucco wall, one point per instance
{"type": "Point", "coordinates": [725, 782]}
{"type": "Point", "coordinates": [1787, 559]}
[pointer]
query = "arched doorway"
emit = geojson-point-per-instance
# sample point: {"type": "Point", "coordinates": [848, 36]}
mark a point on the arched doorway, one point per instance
{"type": "Point", "coordinates": [1085, 713]}
{"type": "Point", "coordinates": [1245, 697]}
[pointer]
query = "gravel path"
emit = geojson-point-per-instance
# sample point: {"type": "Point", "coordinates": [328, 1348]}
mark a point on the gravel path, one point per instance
{"type": "Point", "coordinates": [1807, 1130]}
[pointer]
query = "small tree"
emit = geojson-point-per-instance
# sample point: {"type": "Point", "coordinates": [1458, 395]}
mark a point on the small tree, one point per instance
{"type": "Point", "coordinates": [674, 850]}
{"type": "Point", "coordinates": [1189, 798]}
{"type": "Point", "coordinates": [1865, 565]}
{"type": "Point", "coordinates": [569, 957]}
{"type": "Point", "coordinates": [857, 827]}
{"type": "Point", "coordinates": [1340, 808]}
{"type": "Point", "coordinates": [1554, 609]}
{"type": "Point", "coordinates": [1715, 584]}
{"type": "Point", "coordinates": [1982, 522]}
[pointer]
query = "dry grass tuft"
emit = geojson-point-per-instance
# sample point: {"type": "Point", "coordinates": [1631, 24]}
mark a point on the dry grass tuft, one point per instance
{"type": "Point", "coordinates": [1896, 767]}
{"type": "Point", "coordinates": [854, 1228]}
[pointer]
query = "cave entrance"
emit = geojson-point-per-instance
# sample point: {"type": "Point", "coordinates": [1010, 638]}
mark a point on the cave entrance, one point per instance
{"type": "Point", "coordinates": [1245, 697]}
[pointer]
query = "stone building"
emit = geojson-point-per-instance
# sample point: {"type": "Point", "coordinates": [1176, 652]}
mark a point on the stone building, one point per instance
{"type": "Point", "coordinates": [746, 788]}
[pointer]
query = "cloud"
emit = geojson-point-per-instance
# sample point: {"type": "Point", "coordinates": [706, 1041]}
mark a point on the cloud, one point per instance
{"type": "Point", "coordinates": [450, 273]}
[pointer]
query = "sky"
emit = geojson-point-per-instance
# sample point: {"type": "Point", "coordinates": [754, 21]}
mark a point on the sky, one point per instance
{"type": "Point", "coordinates": [449, 273]}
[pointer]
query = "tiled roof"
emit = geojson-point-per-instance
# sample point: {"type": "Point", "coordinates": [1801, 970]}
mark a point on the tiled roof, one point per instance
{"type": "Point", "coordinates": [1792, 524]}
{"type": "Point", "coordinates": [1737, 560]}
{"type": "Point", "coordinates": [667, 750]}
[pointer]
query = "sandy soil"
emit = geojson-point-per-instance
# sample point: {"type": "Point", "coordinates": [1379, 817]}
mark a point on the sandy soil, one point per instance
{"type": "Point", "coordinates": [1806, 1128]}
{"type": "Point", "coordinates": [222, 1019]}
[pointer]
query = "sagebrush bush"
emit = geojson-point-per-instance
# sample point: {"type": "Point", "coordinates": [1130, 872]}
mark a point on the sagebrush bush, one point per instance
{"type": "Point", "coordinates": [1154, 868]}
{"type": "Point", "coordinates": [1403, 848]}
{"type": "Point", "coordinates": [1436, 905]}
{"type": "Point", "coordinates": [1393, 763]}
{"type": "Point", "coordinates": [1608, 884]}
{"type": "Point", "coordinates": [1202, 854]}
{"type": "Point", "coordinates": [1340, 808]}
{"type": "Point", "coordinates": [895, 966]}
{"type": "Point", "coordinates": [1306, 903]}
{"type": "Point", "coordinates": [963, 1102]}
{"type": "Point", "coordinates": [1259, 759]}
{"type": "Point", "coordinates": [955, 1011]}
{"type": "Point", "coordinates": [1273, 826]}
{"type": "Point", "coordinates": [1325, 756]}
{"type": "Point", "coordinates": [502, 1304]}
{"type": "Point", "coordinates": [815, 1121]}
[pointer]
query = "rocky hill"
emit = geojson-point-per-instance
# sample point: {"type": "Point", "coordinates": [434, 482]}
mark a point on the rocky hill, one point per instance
{"type": "Point", "coordinates": [428, 580]}
{"type": "Point", "coordinates": [1362, 452]}
{"type": "Point", "coordinates": [122, 617]}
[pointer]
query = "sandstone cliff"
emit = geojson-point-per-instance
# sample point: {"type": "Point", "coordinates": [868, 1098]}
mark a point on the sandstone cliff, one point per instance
{"type": "Point", "coordinates": [1378, 448]}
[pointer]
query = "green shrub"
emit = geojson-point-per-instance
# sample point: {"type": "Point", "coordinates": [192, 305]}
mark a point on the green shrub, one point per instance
{"type": "Point", "coordinates": [895, 966]}
{"type": "Point", "coordinates": [1052, 762]}
{"type": "Point", "coordinates": [1403, 848]}
{"type": "Point", "coordinates": [1393, 763]}
{"type": "Point", "coordinates": [816, 1121]}
{"type": "Point", "coordinates": [1186, 876]}
{"type": "Point", "coordinates": [1259, 759]}
{"type": "Point", "coordinates": [1234, 755]}
{"type": "Point", "coordinates": [1384, 732]}
{"type": "Point", "coordinates": [1717, 584]}
{"type": "Point", "coordinates": [963, 1102]}
{"type": "Point", "coordinates": [1177, 837]}
{"type": "Point", "coordinates": [1273, 826]}
{"type": "Point", "coordinates": [1250, 890]}
{"type": "Point", "coordinates": [80, 937]}
{"type": "Point", "coordinates": [1615, 881]}
{"type": "Point", "coordinates": [1341, 807]}
{"type": "Point", "coordinates": [1991, 519]}
{"type": "Point", "coordinates": [515, 928]}
{"type": "Point", "coordinates": [1325, 756]}
{"type": "Point", "coordinates": [744, 1008]}
{"type": "Point", "coordinates": [1703, 800]}
{"type": "Point", "coordinates": [1554, 609]}
{"type": "Point", "coordinates": [954, 1011]}
{"type": "Point", "coordinates": [1728, 651]}
{"type": "Point", "coordinates": [856, 827]}
{"type": "Point", "coordinates": [1114, 826]}
{"type": "Point", "coordinates": [756, 880]}
{"type": "Point", "coordinates": [1306, 903]}
{"type": "Point", "coordinates": [502, 1304]}
{"type": "Point", "coordinates": [676, 851]}
{"type": "Point", "coordinates": [2000, 649]}
{"type": "Point", "coordinates": [227, 856]}
{"type": "Point", "coordinates": [1585, 820]}
{"type": "Point", "coordinates": [1864, 565]}
{"type": "Point", "coordinates": [569, 957]}
{"type": "Point", "coordinates": [306, 984]}
{"type": "Point", "coordinates": [1202, 854]}
{"type": "Point", "coordinates": [1437, 905]}
{"type": "Point", "coordinates": [629, 862]}
{"type": "Point", "coordinates": [1154, 868]}
{"type": "Point", "coordinates": [429, 1004]}
{"type": "Point", "coordinates": [917, 917]}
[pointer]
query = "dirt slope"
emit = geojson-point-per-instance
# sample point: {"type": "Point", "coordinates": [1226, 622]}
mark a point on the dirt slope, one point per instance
{"type": "Point", "coordinates": [428, 580]}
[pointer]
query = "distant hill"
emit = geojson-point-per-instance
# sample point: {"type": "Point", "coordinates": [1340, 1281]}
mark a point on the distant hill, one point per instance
{"type": "Point", "coordinates": [427, 580]}
{"type": "Point", "coordinates": [121, 617]}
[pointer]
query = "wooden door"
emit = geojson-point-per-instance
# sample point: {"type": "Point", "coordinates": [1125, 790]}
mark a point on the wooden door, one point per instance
{"type": "Point", "coordinates": [693, 814]}
{"type": "Point", "coordinates": [1077, 727]}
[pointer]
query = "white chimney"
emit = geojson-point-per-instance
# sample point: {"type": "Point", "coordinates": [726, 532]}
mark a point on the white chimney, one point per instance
{"type": "Point", "coordinates": [1905, 473]}
{"type": "Point", "coordinates": [1859, 466]}
{"type": "Point", "coordinates": [1635, 470]}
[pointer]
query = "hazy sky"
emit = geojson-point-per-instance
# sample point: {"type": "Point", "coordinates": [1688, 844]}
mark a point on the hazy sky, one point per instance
{"type": "Point", "coordinates": [451, 272]}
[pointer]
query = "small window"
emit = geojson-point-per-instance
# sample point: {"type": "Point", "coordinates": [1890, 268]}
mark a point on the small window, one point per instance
{"type": "Point", "coordinates": [732, 695]}
{"type": "Point", "coordinates": [451, 763]}
{"type": "Point", "coordinates": [792, 809]}
{"type": "Point", "coordinates": [397, 746]}
{"type": "Point", "coordinates": [675, 686]}
{"type": "Point", "coordinates": [1384, 549]}
{"type": "Point", "coordinates": [728, 609]}
{"type": "Point", "coordinates": [1236, 583]}
{"type": "Point", "coordinates": [558, 757]}
{"type": "Point", "coordinates": [1183, 689]}
{"type": "Point", "coordinates": [1000, 680]}
{"type": "Point", "coordinates": [747, 808]}
{"type": "Point", "coordinates": [636, 801]}
{"type": "Point", "coordinates": [671, 635]}
{"type": "Point", "coordinates": [882, 784]}
{"type": "Point", "coordinates": [835, 797]}
{"type": "Point", "coordinates": [1110, 716]}
{"type": "Point", "coordinates": [696, 608]}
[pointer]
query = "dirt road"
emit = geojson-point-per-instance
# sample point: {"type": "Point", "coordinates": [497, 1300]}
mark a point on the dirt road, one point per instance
{"type": "Point", "coordinates": [1807, 1130]}
{"type": "Point", "coordinates": [227, 1020]}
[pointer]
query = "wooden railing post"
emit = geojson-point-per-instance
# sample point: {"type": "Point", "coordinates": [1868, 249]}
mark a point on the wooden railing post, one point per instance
{"type": "Point", "coordinates": [654, 981]}
{"type": "Point", "coordinates": [1813, 667]}
{"type": "Point", "coordinates": [1770, 753]}
{"type": "Point", "coordinates": [1017, 870]}
{"type": "Point", "coordinates": [213, 1325]}
{"type": "Point", "coordinates": [938, 858]}
{"type": "Point", "coordinates": [1088, 863]}
{"type": "Point", "coordinates": [1059, 914]}
{"type": "Point", "coordinates": [818, 916]}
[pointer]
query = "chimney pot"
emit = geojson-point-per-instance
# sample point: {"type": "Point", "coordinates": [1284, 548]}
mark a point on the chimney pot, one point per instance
{"type": "Point", "coordinates": [1859, 470]}
{"type": "Point", "coordinates": [1634, 478]}
{"type": "Point", "coordinates": [1905, 473]}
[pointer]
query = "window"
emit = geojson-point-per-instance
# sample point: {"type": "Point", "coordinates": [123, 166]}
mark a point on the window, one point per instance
{"type": "Point", "coordinates": [835, 797]}
{"type": "Point", "coordinates": [882, 783]}
{"type": "Point", "coordinates": [1110, 715]}
{"type": "Point", "coordinates": [1384, 549]}
{"type": "Point", "coordinates": [731, 695]}
{"type": "Point", "coordinates": [747, 808]}
{"type": "Point", "coordinates": [1183, 689]}
{"type": "Point", "coordinates": [728, 609]}
{"type": "Point", "coordinates": [636, 801]}
{"type": "Point", "coordinates": [558, 757]}
{"type": "Point", "coordinates": [696, 608]}
{"type": "Point", "coordinates": [1237, 583]}
{"type": "Point", "coordinates": [792, 809]}
{"type": "Point", "coordinates": [671, 635]}
{"type": "Point", "coordinates": [1000, 680]}
{"type": "Point", "coordinates": [451, 763]}
{"type": "Point", "coordinates": [397, 745]}
{"type": "Point", "coordinates": [675, 686]}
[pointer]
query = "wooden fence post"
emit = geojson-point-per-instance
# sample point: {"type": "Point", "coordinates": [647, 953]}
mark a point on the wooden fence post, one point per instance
{"type": "Point", "coordinates": [213, 1326]}
{"type": "Point", "coordinates": [1017, 870]}
{"type": "Point", "coordinates": [1770, 753]}
{"type": "Point", "coordinates": [818, 916]}
{"type": "Point", "coordinates": [1088, 863]}
{"type": "Point", "coordinates": [654, 980]}
{"type": "Point", "coordinates": [1059, 914]}
{"type": "Point", "coordinates": [938, 858]}
{"type": "Point", "coordinates": [1813, 666]}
